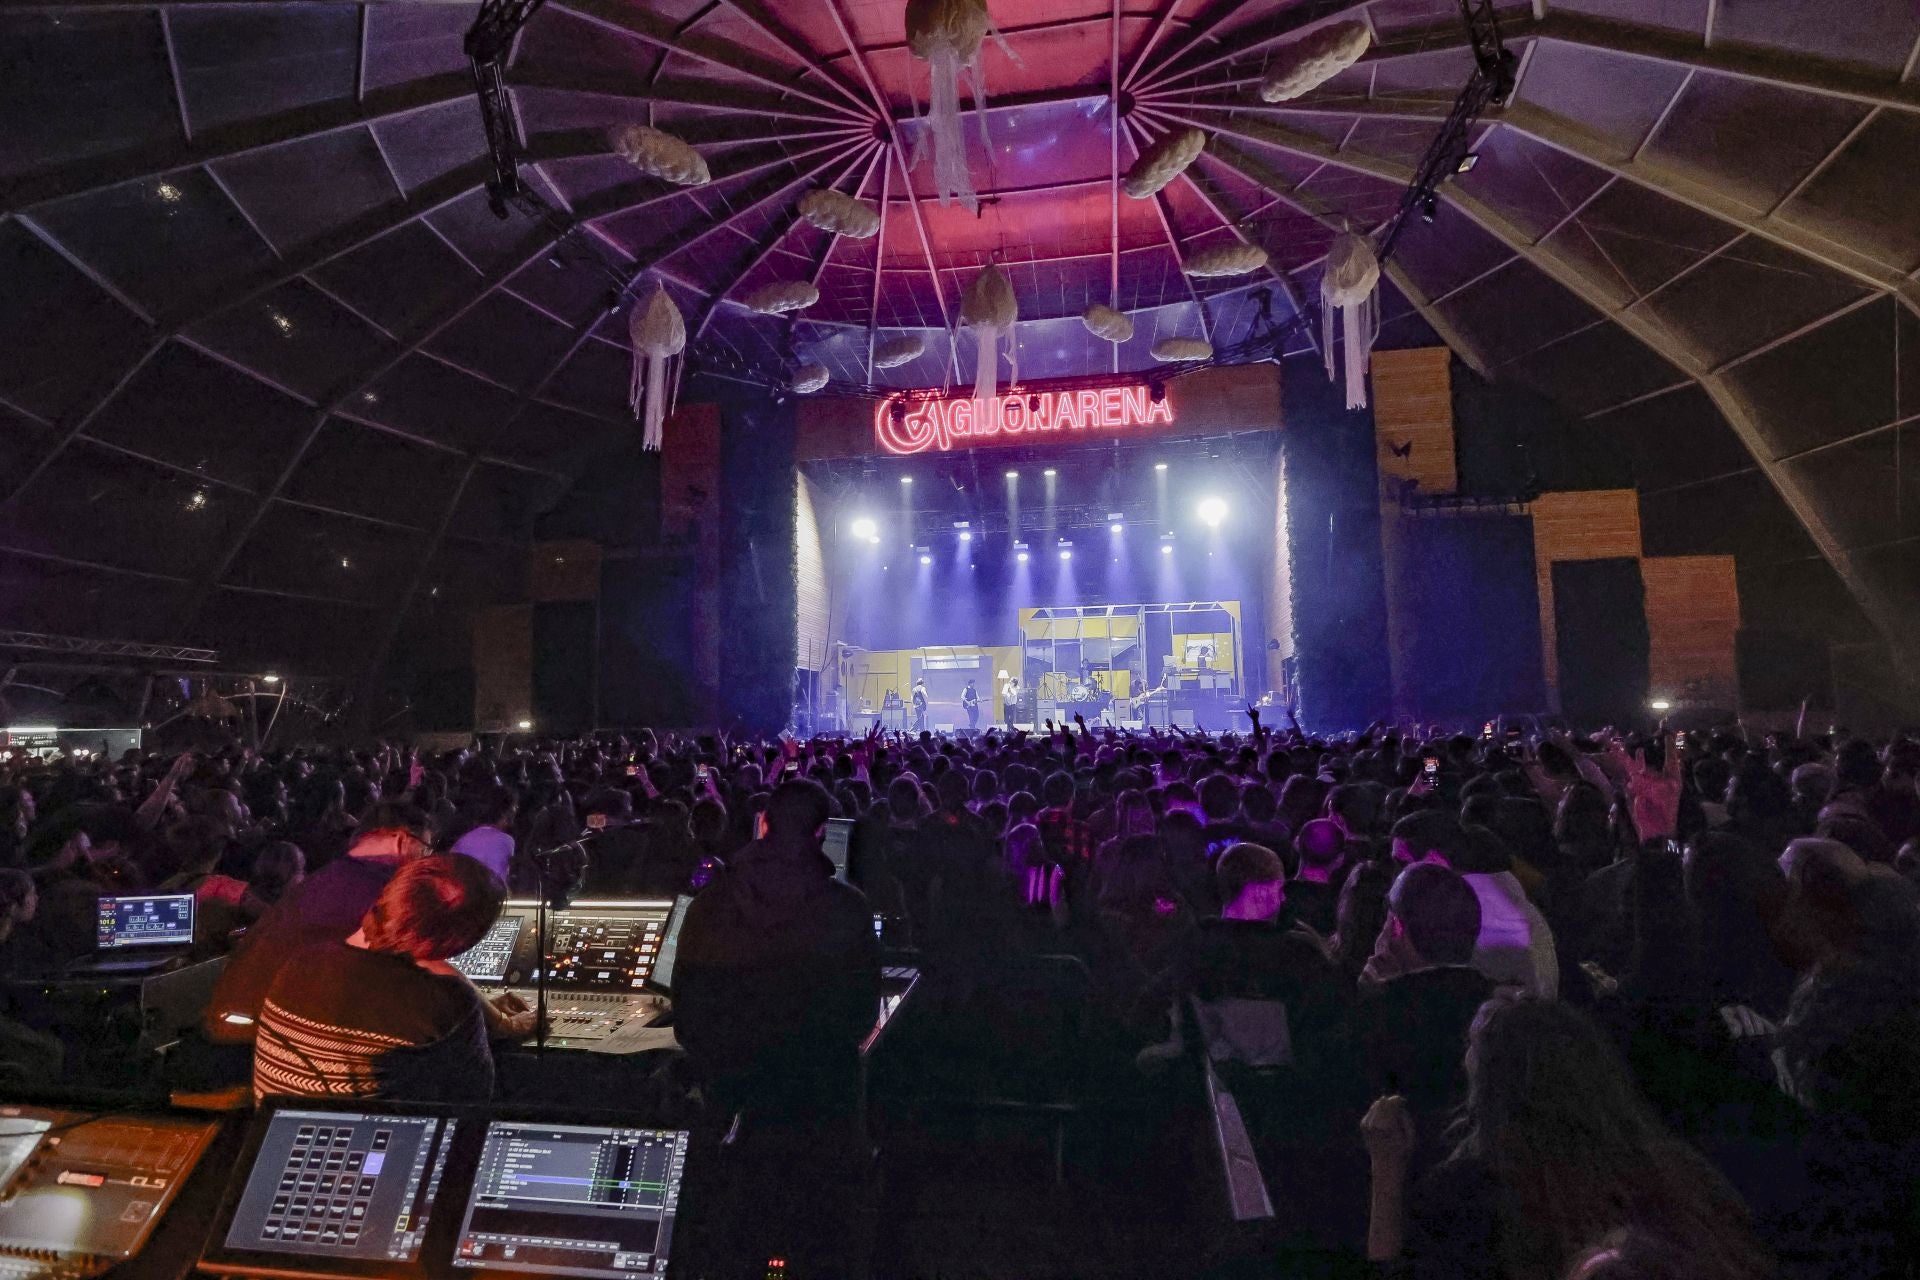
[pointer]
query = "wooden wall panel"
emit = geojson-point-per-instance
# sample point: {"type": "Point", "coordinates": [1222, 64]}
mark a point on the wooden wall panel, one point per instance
{"type": "Point", "coordinates": [1693, 617]}
{"type": "Point", "coordinates": [1591, 524]}
{"type": "Point", "coordinates": [810, 567]}
{"type": "Point", "coordinates": [1413, 411]}
{"type": "Point", "coordinates": [502, 667]}
{"type": "Point", "coordinates": [563, 571]}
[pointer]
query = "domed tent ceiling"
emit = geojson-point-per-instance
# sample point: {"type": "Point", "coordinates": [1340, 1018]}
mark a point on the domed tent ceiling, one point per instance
{"type": "Point", "coordinates": [276, 376]}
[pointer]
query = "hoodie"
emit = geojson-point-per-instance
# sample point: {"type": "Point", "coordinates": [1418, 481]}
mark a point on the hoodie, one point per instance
{"type": "Point", "coordinates": [777, 983]}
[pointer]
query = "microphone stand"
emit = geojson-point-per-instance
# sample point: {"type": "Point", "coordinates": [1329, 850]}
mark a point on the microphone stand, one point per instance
{"type": "Point", "coordinates": [543, 861]}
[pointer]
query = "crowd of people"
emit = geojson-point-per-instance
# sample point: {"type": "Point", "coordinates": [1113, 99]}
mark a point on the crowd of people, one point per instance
{"type": "Point", "coordinates": [1513, 1004]}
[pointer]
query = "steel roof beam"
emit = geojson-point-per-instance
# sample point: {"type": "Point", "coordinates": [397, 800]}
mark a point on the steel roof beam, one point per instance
{"type": "Point", "coordinates": [152, 161]}
{"type": "Point", "coordinates": [1890, 613]}
{"type": "Point", "coordinates": [722, 55]}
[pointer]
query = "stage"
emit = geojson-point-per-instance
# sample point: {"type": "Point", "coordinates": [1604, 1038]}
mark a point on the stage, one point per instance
{"type": "Point", "coordinates": [1125, 569]}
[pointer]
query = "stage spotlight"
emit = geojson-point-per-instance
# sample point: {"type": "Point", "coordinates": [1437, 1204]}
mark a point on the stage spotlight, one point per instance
{"type": "Point", "coordinates": [1020, 552]}
{"type": "Point", "coordinates": [525, 725]}
{"type": "Point", "coordinates": [864, 527]}
{"type": "Point", "coordinates": [1048, 473]}
{"type": "Point", "coordinates": [1066, 553]}
{"type": "Point", "coordinates": [1661, 704]}
{"type": "Point", "coordinates": [906, 479]}
{"type": "Point", "coordinates": [1166, 548]}
{"type": "Point", "coordinates": [926, 559]}
{"type": "Point", "coordinates": [1159, 466]}
{"type": "Point", "coordinates": [1021, 557]}
{"type": "Point", "coordinates": [1115, 527]}
{"type": "Point", "coordinates": [874, 540]}
{"type": "Point", "coordinates": [1013, 475]}
{"type": "Point", "coordinates": [1212, 512]}
{"type": "Point", "coordinates": [966, 535]}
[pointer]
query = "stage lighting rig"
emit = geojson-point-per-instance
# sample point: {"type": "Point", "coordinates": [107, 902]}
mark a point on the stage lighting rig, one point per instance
{"type": "Point", "coordinates": [489, 44]}
{"type": "Point", "coordinates": [1212, 512]}
{"type": "Point", "coordinates": [1495, 70]}
{"type": "Point", "coordinates": [865, 528]}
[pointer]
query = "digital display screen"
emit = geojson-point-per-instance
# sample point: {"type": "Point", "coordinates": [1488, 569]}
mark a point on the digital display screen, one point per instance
{"type": "Point", "coordinates": [489, 959]}
{"type": "Point", "coordinates": [670, 944]}
{"type": "Point", "coordinates": [573, 1200]}
{"type": "Point", "coordinates": [604, 952]}
{"type": "Point", "coordinates": [152, 920]}
{"type": "Point", "coordinates": [838, 844]}
{"type": "Point", "coordinates": [336, 1184]}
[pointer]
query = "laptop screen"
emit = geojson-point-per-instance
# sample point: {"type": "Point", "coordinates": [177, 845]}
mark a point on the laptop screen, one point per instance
{"type": "Point", "coordinates": [145, 920]}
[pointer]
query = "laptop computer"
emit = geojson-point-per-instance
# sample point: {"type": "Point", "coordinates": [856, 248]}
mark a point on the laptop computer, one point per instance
{"type": "Point", "coordinates": [135, 933]}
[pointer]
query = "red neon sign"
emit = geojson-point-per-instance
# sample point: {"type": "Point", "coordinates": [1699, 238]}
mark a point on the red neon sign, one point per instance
{"type": "Point", "coordinates": [940, 425]}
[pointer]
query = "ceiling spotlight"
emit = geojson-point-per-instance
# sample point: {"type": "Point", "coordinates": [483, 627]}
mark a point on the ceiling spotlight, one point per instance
{"type": "Point", "coordinates": [525, 725]}
{"type": "Point", "coordinates": [1021, 556]}
{"type": "Point", "coordinates": [270, 678]}
{"type": "Point", "coordinates": [1661, 704]}
{"type": "Point", "coordinates": [346, 562]}
{"type": "Point", "coordinates": [1212, 512]}
{"type": "Point", "coordinates": [864, 527]}
{"type": "Point", "coordinates": [1159, 466]}
{"type": "Point", "coordinates": [197, 500]}
{"type": "Point", "coordinates": [1013, 475]}
{"type": "Point", "coordinates": [282, 323]}
{"type": "Point", "coordinates": [1166, 548]}
{"type": "Point", "coordinates": [1066, 553]}
{"type": "Point", "coordinates": [906, 479]}
{"type": "Point", "coordinates": [875, 540]}
{"type": "Point", "coordinates": [168, 192]}
{"type": "Point", "coordinates": [1048, 473]}
{"type": "Point", "coordinates": [1115, 527]}
{"type": "Point", "coordinates": [1467, 162]}
{"type": "Point", "coordinates": [966, 535]}
{"type": "Point", "coordinates": [926, 559]}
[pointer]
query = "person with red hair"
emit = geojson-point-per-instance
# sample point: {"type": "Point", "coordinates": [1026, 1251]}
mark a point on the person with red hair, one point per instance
{"type": "Point", "coordinates": [382, 1014]}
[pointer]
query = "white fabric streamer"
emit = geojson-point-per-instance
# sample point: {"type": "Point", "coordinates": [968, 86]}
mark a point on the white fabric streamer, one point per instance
{"type": "Point", "coordinates": [1352, 277]}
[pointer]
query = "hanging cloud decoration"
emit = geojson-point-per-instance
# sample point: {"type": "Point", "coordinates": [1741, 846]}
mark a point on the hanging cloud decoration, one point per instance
{"type": "Point", "coordinates": [1305, 65]}
{"type": "Point", "coordinates": [989, 308]}
{"type": "Point", "coordinates": [896, 351]}
{"type": "Point", "coordinates": [809, 378]}
{"type": "Point", "coordinates": [840, 214]}
{"type": "Point", "coordinates": [1164, 161]}
{"type": "Point", "coordinates": [1103, 321]}
{"type": "Point", "coordinates": [1172, 350]}
{"type": "Point", "coordinates": [1234, 259]}
{"type": "Point", "coordinates": [658, 334]}
{"type": "Point", "coordinates": [781, 296]}
{"type": "Point", "coordinates": [948, 35]}
{"type": "Point", "coordinates": [1349, 285]}
{"type": "Point", "coordinates": [660, 155]}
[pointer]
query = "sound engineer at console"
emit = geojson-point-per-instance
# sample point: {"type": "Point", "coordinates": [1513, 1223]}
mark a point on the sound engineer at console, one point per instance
{"type": "Point", "coordinates": [778, 975]}
{"type": "Point", "coordinates": [382, 1014]}
{"type": "Point", "coordinates": [328, 906]}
